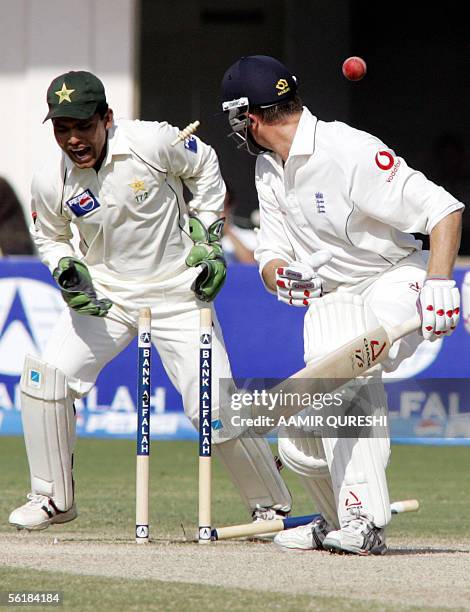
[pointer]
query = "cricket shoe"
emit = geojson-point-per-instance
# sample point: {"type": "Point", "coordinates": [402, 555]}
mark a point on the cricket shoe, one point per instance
{"type": "Point", "coordinates": [305, 537]}
{"type": "Point", "coordinates": [267, 514]}
{"type": "Point", "coordinates": [358, 536]}
{"type": "Point", "coordinates": [39, 512]}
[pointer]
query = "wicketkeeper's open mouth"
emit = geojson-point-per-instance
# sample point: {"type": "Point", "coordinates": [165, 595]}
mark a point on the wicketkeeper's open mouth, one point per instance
{"type": "Point", "coordinates": [81, 155]}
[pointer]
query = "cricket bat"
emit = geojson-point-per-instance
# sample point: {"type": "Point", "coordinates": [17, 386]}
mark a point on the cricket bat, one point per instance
{"type": "Point", "coordinates": [349, 361]}
{"type": "Point", "coordinates": [360, 354]}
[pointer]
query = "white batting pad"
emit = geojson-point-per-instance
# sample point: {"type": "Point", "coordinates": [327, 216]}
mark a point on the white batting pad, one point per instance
{"type": "Point", "coordinates": [306, 457]}
{"type": "Point", "coordinates": [49, 430]}
{"type": "Point", "coordinates": [334, 320]}
{"type": "Point", "coordinates": [356, 465]}
{"type": "Point", "coordinates": [252, 468]}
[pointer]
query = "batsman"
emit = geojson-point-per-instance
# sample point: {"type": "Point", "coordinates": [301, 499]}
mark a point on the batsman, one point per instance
{"type": "Point", "coordinates": [338, 210]}
{"type": "Point", "coordinates": [119, 183]}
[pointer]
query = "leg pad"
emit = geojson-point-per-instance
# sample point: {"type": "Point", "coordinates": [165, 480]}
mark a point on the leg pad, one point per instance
{"type": "Point", "coordinates": [49, 429]}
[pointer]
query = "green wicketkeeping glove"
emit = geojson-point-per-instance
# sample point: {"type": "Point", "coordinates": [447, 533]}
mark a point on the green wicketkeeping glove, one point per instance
{"type": "Point", "coordinates": [207, 253]}
{"type": "Point", "coordinates": [76, 286]}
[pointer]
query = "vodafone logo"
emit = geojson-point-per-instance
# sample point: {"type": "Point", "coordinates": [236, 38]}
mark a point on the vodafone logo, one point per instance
{"type": "Point", "coordinates": [28, 312]}
{"type": "Point", "coordinates": [384, 160]}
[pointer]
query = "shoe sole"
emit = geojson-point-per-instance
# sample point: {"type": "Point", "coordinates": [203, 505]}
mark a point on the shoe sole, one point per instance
{"type": "Point", "coordinates": [59, 519]}
{"type": "Point", "coordinates": [286, 547]}
{"type": "Point", "coordinates": [296, 549]}
{"type": "Point", "coordinates": [336, 548]}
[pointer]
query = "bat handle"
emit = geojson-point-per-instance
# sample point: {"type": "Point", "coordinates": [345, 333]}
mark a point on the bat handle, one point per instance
{"type": "Point", "coordinates": [405, 328]}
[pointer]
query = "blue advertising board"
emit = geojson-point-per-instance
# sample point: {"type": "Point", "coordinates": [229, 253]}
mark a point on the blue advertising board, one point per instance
{"type": "Point", "coordinates": [263, 338]}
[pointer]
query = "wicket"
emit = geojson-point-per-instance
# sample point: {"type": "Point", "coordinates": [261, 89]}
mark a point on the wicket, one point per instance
{"type": "Point", "coordinates": [205, 419]}
{"type": "Point", "coordinates": [143, 427]}
{"type": "Point", "coordinates": [205, 531]}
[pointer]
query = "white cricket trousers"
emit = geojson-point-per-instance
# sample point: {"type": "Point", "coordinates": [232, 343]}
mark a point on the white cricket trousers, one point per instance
{"type": "Point", "coordinates": [81, 345]}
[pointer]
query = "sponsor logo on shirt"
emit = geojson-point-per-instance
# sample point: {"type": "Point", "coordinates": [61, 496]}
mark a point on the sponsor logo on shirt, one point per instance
{"type": "Point", "coordinates": [190, 144]}
{"type": "Point", "coordinates": [320, 202]}
{"type": "Point", "coordinates": [83, 204]}
{"type": "Point", "coordinates": [394, 171]}
{"type": "Point", "coordinates": [385, 161]}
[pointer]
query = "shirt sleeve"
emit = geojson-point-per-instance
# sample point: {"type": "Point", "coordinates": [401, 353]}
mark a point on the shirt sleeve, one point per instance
{"type": "Point", "coordinates": [197, 165]}
{"type": "Point", "coordinates": [50, 228]}
{"type": "Point", "coordinates": [384, 187]}
{"type": "Point", "coordinates": [273, 242]}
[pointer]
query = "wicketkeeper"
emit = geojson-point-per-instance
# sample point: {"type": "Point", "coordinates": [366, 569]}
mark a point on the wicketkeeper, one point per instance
{"type": "Point", "coordinates": [120, 184]}
{"type": "Point", "coordinates": [337, 212]}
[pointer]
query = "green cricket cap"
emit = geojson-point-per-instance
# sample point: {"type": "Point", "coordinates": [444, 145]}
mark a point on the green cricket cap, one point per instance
{"type": "Point", "coordinates": [75, 94]}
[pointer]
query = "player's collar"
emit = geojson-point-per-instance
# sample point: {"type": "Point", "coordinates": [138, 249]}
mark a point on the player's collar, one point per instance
{"type": "Point", "coordinates": [117, 143]}
{"type": "Point", "coordinates": [304, 136]}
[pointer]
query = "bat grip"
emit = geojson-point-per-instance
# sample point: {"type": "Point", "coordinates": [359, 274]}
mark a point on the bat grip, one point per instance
{"type": "Point", "coordinates": [409, 326]}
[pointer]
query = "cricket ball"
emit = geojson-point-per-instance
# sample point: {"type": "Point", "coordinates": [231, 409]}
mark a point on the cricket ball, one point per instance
{"type": "Point", "coordinates": [354, 68]}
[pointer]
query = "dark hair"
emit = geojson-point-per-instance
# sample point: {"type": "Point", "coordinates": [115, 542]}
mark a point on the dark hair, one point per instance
{"type": "Point", "coordinates": [14, 236]}
{"type": "Point", "coordinates": [102, 109]}
{"type": "Point", "coordinates": [273, 114]}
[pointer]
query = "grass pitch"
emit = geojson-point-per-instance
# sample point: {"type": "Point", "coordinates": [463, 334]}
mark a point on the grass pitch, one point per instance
{"type": "Point", "coordinates": [105, 492]}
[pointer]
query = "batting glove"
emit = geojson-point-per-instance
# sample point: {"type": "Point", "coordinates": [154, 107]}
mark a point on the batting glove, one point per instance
{"type": "Point", "coordinates": [439, 307]}
{"type": "Point", "coordinates": [298, 283]}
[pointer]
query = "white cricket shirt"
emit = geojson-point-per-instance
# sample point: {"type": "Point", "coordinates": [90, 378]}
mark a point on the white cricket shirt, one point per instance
{"type": "Point", "coordinates": [131, 215]}
{"type": "Point", "coordinates": [343, 190]}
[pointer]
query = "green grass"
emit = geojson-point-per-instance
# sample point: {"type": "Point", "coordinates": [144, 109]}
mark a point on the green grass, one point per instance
{"type": "Point", "coordinates": [104, 593]}
{"type": "Point", "coordinates": [439, 477]}
{"type": "Point", "coordinates": [105, 482]}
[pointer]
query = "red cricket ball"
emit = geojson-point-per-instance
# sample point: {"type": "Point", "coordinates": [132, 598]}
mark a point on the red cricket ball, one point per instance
{"type": "Point", "coordinates": [354, 68]}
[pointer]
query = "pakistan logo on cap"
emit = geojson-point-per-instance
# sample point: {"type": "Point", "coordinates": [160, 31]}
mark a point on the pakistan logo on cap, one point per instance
{"type": "Point", "coordinates": [64, 93]}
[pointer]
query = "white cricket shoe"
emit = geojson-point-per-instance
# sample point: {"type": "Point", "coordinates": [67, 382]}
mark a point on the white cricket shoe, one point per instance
{"type": "Point", "coordinates": [359, 536]}
{"type": "Point", "coordinates": [305, 537]}
{"type": "Point", "coordinates": [39, 512]}
{"type": "Point", "coordinates": [267, 514]}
